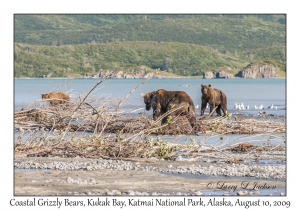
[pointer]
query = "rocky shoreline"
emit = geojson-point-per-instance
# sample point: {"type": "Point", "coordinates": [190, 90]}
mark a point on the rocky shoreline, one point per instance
{"type": "Point", "coordinates": [252, 71]}
{"type": "Point", "coordinates": [122, 75]}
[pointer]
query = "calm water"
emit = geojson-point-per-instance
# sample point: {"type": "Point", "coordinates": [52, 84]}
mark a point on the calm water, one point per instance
{"type": "Point", "coordinates": [248, 91]}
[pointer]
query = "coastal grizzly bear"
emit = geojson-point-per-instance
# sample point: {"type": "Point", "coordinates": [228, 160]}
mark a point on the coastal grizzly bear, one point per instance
{"type": "Point", "coordinates": [57, 98]}
{"type": "Point", "coordinates": [213, 97]}
{"type": "Point", "coordinates": [163, 101]}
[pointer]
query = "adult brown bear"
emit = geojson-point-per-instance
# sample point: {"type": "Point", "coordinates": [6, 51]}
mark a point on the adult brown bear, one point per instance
{"type": "Point", "coordinates": [163, 101]}
{"type": "Point", "coordinates": [57, 98]}
{"type": "Point", "coordinates": [213, 97]}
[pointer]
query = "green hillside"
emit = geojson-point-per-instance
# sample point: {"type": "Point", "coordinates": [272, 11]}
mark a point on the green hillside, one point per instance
{"type": "Point", "coordinates": [276, 53]}
{"type": "Point", "coordinates": [177, 58]}
{"type": "Point", "coordinates": [221, 32]}
{"type": "Point", "coordinates": [188, 45]}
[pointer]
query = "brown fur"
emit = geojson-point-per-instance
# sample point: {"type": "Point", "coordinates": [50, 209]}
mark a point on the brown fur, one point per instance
{"type": "Point", "coordinates": [162, 101]}
{"type": "Point", "coordinates": [213, 97]}
{"type": "Point", "coordinates": [57, 98]}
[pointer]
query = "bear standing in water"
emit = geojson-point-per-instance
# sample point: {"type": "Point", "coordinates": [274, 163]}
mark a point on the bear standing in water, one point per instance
{"type": "Point", "coordinates": [213, 97]}
{"type": "Point", "coordinates": [162, 101]}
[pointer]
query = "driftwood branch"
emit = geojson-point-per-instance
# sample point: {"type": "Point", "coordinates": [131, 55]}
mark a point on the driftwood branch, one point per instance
{"type": "Point", "coordinates": [99, 127]}
{"type": "Point", "coordinates": [87, 95]}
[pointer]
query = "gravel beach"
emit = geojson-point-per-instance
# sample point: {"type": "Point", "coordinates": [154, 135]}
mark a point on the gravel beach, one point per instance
{"type": "Point", "coordinates": [203, 176]}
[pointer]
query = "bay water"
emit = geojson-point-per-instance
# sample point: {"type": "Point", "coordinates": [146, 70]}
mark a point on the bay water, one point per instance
{"type": "Point", "coordinates": [247, 91]}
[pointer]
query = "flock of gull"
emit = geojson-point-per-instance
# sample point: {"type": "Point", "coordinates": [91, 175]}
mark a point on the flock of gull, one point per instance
{"type": "Point", "coordinates": [242, 107]}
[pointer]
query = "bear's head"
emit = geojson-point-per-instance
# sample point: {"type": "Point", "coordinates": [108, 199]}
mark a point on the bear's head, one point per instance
{"type": "Point", "coordinates": [148, 99]}
{"type": "Point", "coordinates": [45, 96]}
{"type": "Point", "coordinates": [206, 89]}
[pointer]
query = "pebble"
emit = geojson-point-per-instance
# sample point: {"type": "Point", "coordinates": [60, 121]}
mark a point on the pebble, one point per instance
{"type": "Point", "coordinates": [198, 193]}
{"type": "Point", "coordinates": [116, 192]}
{"type": "Point", "coordinates": [234, 170]}
{"type": "Point", "coordinates": [130, 192]}
{"type": "Point", "coordinates": [179, 158]}
{"type": "Point", "coordinates": [242, 193]}
{"type": "Point", "coordinates": [110, 193]}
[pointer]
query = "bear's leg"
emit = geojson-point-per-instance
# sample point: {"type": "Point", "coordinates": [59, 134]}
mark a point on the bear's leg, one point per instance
{"type": "Point", "coordinates": [156, 114]}
{"type": "Point", "coordinates": [192, 120]}
{"type": "Point", "coordinates": [212, 107]}
{"type": "Point", "coordinates": [218, 110]}
{"type": "Point", "coordinates": [224, 109]}
{"type": "Point", "coordinates": [203, 107]}
{"type": "Point", "coordinates": [164, 120]}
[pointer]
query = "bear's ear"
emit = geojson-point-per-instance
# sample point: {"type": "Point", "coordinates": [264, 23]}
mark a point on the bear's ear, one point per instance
{"type": "Point", "coordinates": [152, 94]}
{"type": "Point", "coordinates": [143, 95]}
{"type": "Point", "coordinates": [201, 85]}
{"type": "Point", "coordinates": [209, 85]}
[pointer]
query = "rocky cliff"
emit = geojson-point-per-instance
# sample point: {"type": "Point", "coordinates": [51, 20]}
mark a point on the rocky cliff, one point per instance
{"type": "Point", "coordinates": [259, 71]}
{"type": "Point", "coordinates": [254, 70]}
{"type": "Point", "coordinates": [217, 75]}
{"type": "Point", "coordinates": [121, 74]}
